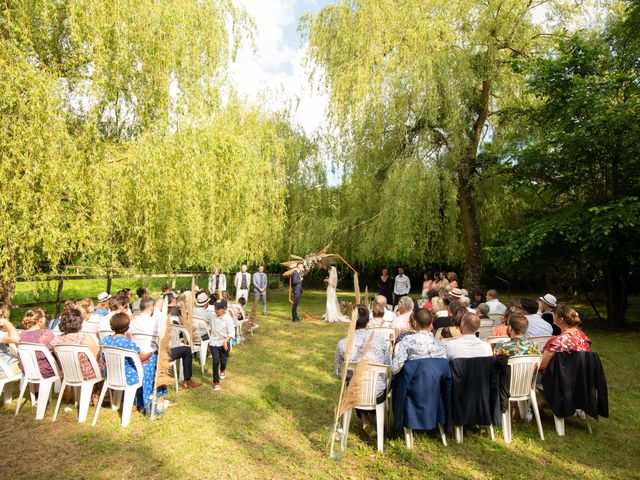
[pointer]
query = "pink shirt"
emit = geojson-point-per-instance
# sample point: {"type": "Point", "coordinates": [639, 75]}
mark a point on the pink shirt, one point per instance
{"type": "Point", "coordinates": [401, 323]}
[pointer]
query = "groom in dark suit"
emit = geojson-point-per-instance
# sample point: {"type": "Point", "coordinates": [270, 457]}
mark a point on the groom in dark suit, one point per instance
{"type": "Point", "coordinates": [296, 283]}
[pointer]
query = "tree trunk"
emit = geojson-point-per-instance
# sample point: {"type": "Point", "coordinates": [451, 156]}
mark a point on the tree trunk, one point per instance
{"type": "Point", "coordinates": [617, 293]}
{"type": "Point", "coordinates": [467, 169]}
{"type": "Point", "coordinates": [7, 289]}
{"type": "Point", "coordinates": [473, 246]}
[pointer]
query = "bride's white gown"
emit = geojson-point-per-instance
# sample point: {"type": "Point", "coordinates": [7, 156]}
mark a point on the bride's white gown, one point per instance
{"type": "Point", "coordinates": [333, 313]}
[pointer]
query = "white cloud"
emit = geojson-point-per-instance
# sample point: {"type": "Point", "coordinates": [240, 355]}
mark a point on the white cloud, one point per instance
{"type": "Point", "coordinates": [273, 75]}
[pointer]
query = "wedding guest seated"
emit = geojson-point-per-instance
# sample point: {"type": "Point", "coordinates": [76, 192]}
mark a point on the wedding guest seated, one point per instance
{"type": "Point", "coordinates": [478, 298]}
{"type": "Point", "coordinates": [455, 295]}
{"type": "Point", "coordinates": [172, 305]}
{"type": "Point", "coordinates": [438, 308]}
{"type": "Point", "coordinates": [418, 343]}
{"type": "Point", "coordinates": [90, 322]}
{"type": "Point", "coordinates": [546, 306]}
{"type": "Point", "coordinates": [53, 323]}
{"type": "Point", "coordinates": [9, 336]}
{"type": "Point", "coordinates": [135, 306]}
{"type": "Point", "coordinates": [515, 307]}
{"type": "Point", "coordinates": [102, 308]}
{"type": "Point", "coordinates": [71, 322]}
{"type": "Point", "coordinates": [378, 353]}
{"type": "Point", "coordinates": [468, 345]}
{"type": "Point", "coordinates": [495, 306]}
{"type": "Point", "coordinates": [401, 322]}
{"type": "Point", "coordinates": [380, 315]}
{"type": "Point", "coordinates": [464, 302]}
{"type": "Point", "coordinates": [120, 325]}
{"type": "Point", "coordinates": [518, 345]}
{"type": "Point", "coordinates": [537, 326]}
{"type": "Point", "coordinates": [452, 310]}
{"type": "Point", "coordinates": [201, 311]}
{"type": "Point", "coordinates": [35, 322]}
{"type": "Point", "coordinates": [117, 304]}
{"type": "Point", "coordinates": [148, 323]}
{"type": "Point", "coordinates": [571, 339]}
{"type": "Point", "coordinates": [453, 330]}
{"type": "Point", "coordinates": [483, 311]}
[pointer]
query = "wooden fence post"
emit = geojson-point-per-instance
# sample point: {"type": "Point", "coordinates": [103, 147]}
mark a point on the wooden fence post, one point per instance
{"type": "Point", "coordinates": [59, 294]}
{"type": "Point", "coordinates": [173, 282]}
{"type": "Point", "coordinates": [109, 282]}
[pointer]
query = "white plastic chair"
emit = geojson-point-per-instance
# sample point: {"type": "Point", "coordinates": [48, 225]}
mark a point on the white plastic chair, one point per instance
{"type": "Point", "coordinates": [388, 333]}
{"type": "Point", "coordinates": [104, 333]}
{"type": "Point", "coordinates": [69, 356]}
{"type": "Point", "coordinates": [540, 341]}
{"type": "Point", "coordinates": [116, 380]}
{"type": "Point", "coordinates": [6, 382]}
{"type": "Point", "coordinates": [239, 333]}
{"type": "Point", "coordinates": [497, 339]}
{"type": "Point", "coordinates": [444, 341]}
{"type": "Point", "coordinates": [200, 346]}
{"type": "Point", "coordinates": [486, 322]}
{"type": "Point", "coordinates": [496, 318]}
{"type": "Point", "coordinates": [368, 401]}
{"type": "Point", "coordinates": [522, 390]}
{"type": "Point", "coordinates": [485, 332]}
{"type": "Point", "coordinates": [32, 376]}
{"type": "Point", "coordinates": [408, 436]}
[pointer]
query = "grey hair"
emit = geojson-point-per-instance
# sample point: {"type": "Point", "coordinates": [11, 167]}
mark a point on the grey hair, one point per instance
{"type": "Point", "coordinates": [464, 301]}
{"type": "Point", "coordinates": [406, 303]}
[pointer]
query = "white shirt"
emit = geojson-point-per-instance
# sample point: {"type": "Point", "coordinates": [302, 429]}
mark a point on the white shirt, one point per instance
{"type": "Point", "coordinates": [388, 316]}
{"type": "Point", "coordinates": [538, 327]}
{"type": "Point", "coordinates": [442, 313]}
{"type": "Point", "coordinates": [219, 329]}
{"type": "Point", "coordinates": [496, 307]}
{"type": "Point", "coordinates": [238, 280]}
{"type": "Point", "coordinates": [401, 285]}
{"type": "Point", "coordinates": [105, 322]}
{"type": "Point", "coordinates": [468, 346]}
{"type": "Point", "coordinates": [147, 325]}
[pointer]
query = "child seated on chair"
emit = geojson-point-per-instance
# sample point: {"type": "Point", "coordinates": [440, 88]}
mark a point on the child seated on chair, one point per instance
{"type": "Point", "coordinates": [120, 325]}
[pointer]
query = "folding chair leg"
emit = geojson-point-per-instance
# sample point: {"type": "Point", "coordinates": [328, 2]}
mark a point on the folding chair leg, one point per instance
{"type": "Point", "coordinates": [84, 402]}
{"type": "Point", "coordinates": [459, 433]}
{"type": "Point", "coordinates": [442, 435]}
{"type": "Point", "coordinates": [175, 375]}
{"type": "Point", "coordinates": [506, 426]}
{"type": "Point", "coordinates": [23, 388]}
{"type": "Point", "coordinates": [559, 425]}
{"type": "Point", "coordinates": [536, 412]}
{"type": "Point", "coordinates": [99, 405]}
{"type": "Point", "coordinates": [588, 425]}
{"type": "Point", "coordinates": [380, 411]}
{"type": "Point", "coordinates": [43, 399]}
{"type": "Point", "coordinates": [523, 410]}
{"type": "Point", "coordinates": [57, 409]}
{"type": "Point", "coordinates": [116, 399]}
{"type": "Point", "coordinates": [408, 437]}
{"type": "Point", "coordinates": [346, 420]}
{"type": "Point", "coordinates": [127, 405]}
{"type": "Point", "coordinates": [493, 434]}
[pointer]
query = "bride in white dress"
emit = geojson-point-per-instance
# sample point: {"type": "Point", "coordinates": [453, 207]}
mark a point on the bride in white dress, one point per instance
{"type": "Point", "coordinates": [333, 313]}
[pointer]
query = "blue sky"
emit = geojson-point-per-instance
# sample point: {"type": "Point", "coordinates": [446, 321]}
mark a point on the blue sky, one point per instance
{"type": "Point", "coordinates": [273, 75]}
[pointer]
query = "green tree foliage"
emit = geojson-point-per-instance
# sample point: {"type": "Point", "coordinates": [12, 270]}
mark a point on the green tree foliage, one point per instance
{"type": "Point", "coordinates": [415, 86]}
{"type": "Point", "coordinates": [117, 147]}
{"type": "Point", "coordinates": [581, 157]}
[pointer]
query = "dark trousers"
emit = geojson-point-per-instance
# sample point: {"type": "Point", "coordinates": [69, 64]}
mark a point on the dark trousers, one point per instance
{"type": "Point", "coordinates": [183, 353]}
{"type": "Point", "coordinates": [397, 297]}
{"type": "Point", "coordinates": [219, 356]}
{"type": "Point", "coordinates": [294, 307]}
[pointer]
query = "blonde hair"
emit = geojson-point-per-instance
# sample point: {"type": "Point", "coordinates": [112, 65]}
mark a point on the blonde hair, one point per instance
{"type": "Point", "coordinates": [85, 302]}
{"type": "Point", "coordinates": [437, 304]}
{"type": "Point", "coordinates": [33, 318]}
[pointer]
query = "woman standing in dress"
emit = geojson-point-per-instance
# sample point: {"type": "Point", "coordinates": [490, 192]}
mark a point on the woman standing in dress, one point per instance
{"type": "Point", "coordinates": [427, 283]}
{"type": "Point", "coordinates": [385, 285]}
{"type": "Point", "coordinates": [333, 313]}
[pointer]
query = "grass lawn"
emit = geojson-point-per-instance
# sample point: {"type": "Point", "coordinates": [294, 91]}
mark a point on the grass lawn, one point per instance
{"type": "Point", "coordinates": [273, 417]}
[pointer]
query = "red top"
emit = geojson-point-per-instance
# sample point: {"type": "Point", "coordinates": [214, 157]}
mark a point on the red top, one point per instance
{"type": "Point", "coordinates": [573, 341]}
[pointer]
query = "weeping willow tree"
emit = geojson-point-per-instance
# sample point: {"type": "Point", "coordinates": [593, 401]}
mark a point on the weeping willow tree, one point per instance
{"type": "Point", "coordinates": [117, 147]}
{"type": "Point", "coordinates": [415, 88]}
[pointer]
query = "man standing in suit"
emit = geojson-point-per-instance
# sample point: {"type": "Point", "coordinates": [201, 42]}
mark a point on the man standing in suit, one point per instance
{"type": "Point", "coordinates": [242, 282]}
{"type": "Point", "coordinates": [296, 283]}
{"type": "Point", "coordinates": [217, 283]}
{"type": "Point", "coordinates": [260, 287]}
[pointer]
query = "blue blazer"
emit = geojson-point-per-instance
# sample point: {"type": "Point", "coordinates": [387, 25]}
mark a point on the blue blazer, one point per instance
{"type": "Point", "coordinates": [421, 394]}
{"type": "Point", "coordinates": [296, 283]}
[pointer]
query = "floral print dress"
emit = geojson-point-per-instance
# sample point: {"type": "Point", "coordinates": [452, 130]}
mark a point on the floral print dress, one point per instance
{"type": "Point", "coordinates": [143, 397]}
{"type": "Point", "coordinates": [572, 341]}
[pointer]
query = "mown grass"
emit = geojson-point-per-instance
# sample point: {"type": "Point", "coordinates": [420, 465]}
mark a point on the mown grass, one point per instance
{"type": "Point", "coordinates": [274, 413]}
